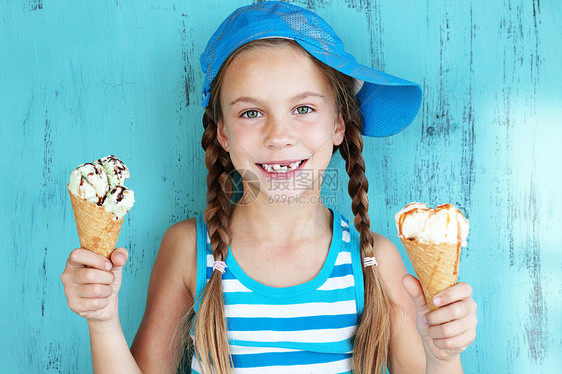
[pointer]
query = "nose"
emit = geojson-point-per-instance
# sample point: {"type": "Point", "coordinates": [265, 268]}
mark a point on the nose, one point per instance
{"type": "Point", "coordinates": [278, 133]}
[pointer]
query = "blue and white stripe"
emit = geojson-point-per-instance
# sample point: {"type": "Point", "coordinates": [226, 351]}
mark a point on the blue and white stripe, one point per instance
{"type": "Point", "coordinates": [302, 329]}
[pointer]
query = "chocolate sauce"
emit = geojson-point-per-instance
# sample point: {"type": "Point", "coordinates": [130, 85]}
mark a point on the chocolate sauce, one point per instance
{"type": "Point", "coordinates": [119, 167]}
{"type": "Point", "coordinates": [95, 167]}
{"type": "Point", "coordinates": [121, 194]}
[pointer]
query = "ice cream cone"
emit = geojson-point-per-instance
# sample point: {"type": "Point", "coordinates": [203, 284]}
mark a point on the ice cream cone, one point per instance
{"type": "Point", "coordinates": [98, 229]}
{"type": "Point", "coordinates": [436, 265]}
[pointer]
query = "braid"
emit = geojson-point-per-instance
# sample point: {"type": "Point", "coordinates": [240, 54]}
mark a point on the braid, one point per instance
{"type": "Point", "coordinates": [219, 207]}
{"type": "Point", "coordinates": [374, 323]}
{"type": "Point", "coordinates": [211, 339]}
{"type": "Point", "coordinates": [358, 186]}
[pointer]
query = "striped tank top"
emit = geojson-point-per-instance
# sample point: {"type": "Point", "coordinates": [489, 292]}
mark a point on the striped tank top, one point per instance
{"type": "Point", "coordinates": [307, 328]}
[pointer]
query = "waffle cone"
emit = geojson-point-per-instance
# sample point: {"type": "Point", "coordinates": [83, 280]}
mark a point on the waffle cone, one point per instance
{"type": "Point", "coordinates": [436, 265]}
{"type": "Point", "coordinates": [98, 229]}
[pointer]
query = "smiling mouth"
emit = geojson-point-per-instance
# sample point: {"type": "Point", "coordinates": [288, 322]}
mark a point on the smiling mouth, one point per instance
{"type": "Point", "coordinates": [281, 168]}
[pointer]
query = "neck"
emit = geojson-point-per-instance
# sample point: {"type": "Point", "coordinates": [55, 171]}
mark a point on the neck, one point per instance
{"type": "Point", "coordinates": [285, 222]}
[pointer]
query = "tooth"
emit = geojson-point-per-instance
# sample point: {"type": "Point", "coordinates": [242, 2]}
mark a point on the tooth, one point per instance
{"type": "Point", "coordinates": [281, 168]}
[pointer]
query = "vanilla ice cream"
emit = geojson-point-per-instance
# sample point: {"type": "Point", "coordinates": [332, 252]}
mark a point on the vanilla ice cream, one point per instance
{"type": "Point", "coordinates": [444, 224]}
{"type": "Point", "coordinates": [119, 201]}
{"type": "Point", "coordinates": [89, 181]}
{"type": "Point", "coordinates": [116, 170]}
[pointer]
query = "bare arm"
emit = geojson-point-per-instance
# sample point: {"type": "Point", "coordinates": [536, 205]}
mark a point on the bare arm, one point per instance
{"type": "Point", "coordinates": [423, 341]}
{"type": "Point", "coordinates": [406, 349]}
{"type": "Point", "coordinates": [110, 351]}
{"type": "Point", "coordinates": [92, 283]}
{"type": "Point", "coordinates": [170, 296]}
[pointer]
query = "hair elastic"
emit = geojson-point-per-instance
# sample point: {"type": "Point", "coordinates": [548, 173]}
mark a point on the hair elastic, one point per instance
{"type": "Point", "coordinates": [220, 266]}
{"type": "Point", "coordinates": [370, 261]}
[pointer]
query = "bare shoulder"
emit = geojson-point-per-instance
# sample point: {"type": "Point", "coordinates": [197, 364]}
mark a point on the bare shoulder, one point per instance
{"type": "Point", "coordinates": [391, 267]}
{"type": "Point", "coordinates": [178, 250]}
{"type": "Point", "coordinates": [169, 299]}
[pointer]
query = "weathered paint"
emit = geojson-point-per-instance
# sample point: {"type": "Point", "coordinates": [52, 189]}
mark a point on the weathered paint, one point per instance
{"type": "Point", "coordinates": [79, 80]}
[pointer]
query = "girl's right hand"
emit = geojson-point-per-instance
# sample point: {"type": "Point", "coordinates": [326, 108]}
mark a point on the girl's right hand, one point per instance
{"type": "Point", "coordinates": [91, 283]}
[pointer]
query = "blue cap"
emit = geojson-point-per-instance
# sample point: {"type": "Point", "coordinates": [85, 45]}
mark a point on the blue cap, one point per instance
{"type": "Point", "coordinates": [388, 103]}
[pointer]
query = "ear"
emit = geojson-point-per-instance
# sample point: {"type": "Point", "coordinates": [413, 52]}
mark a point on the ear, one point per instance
{"type": "Point", "coordinates": [221, 135]}
{"type": "Point", "coordinates": [339, 131]}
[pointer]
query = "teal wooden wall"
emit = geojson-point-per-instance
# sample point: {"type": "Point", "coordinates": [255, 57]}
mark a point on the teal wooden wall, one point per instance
{"type": "Point", "coordinates": [83, 79]}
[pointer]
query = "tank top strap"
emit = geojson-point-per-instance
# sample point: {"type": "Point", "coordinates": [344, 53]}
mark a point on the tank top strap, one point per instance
{"type": "Point", "coordinates": [348, 241]}
{"type": "Point", "coordinates": [350, 237]}
{"type": "Point", "coordinates": [203, 253]}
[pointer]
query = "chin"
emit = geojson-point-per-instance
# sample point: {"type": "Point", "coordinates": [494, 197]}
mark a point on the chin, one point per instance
{"type": "Point", "coordinates": [289, 197]}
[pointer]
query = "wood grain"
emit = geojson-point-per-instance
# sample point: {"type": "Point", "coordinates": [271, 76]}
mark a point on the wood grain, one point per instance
{"type": "Point", "coordinates": [81, 80]}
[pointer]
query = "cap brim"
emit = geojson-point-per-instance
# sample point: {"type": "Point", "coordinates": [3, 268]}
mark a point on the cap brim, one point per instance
{"type": "Point", "coordinates": [388, 103]}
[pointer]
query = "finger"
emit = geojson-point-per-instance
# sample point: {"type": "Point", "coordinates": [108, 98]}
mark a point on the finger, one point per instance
{"type": "Point", "coordinates": [91, 305]}
{"type": "Point", "coordinates": [414, 289]}
{"type": "Point", "coordinates": [94, 291]}
{"type": "Point", "coordinates": [119, 257]}
{"type": "Point", "coordinates": [451, 329]}
{"type": "Point", "coordinates": [81, 257]}
{"type": "Point", "coordinates": [451, 312]}
{"type": "Point", "coordinates": [456, 343]}
{"type": "Point", "coordinates": [460, 291]}
{"type": "Point", "coordinates": [95, 314]}
{"type": "Point", "coordinates": [94, 276]}
{"type": "Point", "coordinates": [84, 305]}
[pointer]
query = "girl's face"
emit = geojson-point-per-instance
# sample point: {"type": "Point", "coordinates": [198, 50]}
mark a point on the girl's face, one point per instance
{"type": "Point", "coordinates": [279, 120]}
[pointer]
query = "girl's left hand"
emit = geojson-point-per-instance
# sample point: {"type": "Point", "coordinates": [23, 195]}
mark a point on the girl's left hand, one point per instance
{"type": "Point", "coordinates": [448, 330]}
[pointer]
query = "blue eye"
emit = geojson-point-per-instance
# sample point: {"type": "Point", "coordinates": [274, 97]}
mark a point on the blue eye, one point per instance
{"type": "Point", "coordinates": [251, 114]}
{"type": "Point", "coordinates": [303, 109]}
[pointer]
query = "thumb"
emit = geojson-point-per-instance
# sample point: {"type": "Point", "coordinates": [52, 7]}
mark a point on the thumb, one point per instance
{"type": "Point", "coordinates": [414, 289]}
{"type": "Point", "coordinates": [119, 257]}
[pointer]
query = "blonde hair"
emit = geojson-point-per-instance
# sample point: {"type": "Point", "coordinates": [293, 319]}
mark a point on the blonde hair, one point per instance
{"type": "Point", "coordinates": [372, 338]}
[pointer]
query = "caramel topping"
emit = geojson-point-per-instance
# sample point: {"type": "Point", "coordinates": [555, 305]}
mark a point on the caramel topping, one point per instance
{"type": "Point", "coordinates": [431, 212]}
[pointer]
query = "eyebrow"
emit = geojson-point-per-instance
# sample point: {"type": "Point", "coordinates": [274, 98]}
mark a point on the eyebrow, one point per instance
{"type": "Point", "coordinates": [301, 96]}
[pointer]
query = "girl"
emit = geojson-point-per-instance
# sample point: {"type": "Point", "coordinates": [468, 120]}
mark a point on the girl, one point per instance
{"type": "Point", "coordinates": [276, 282]}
